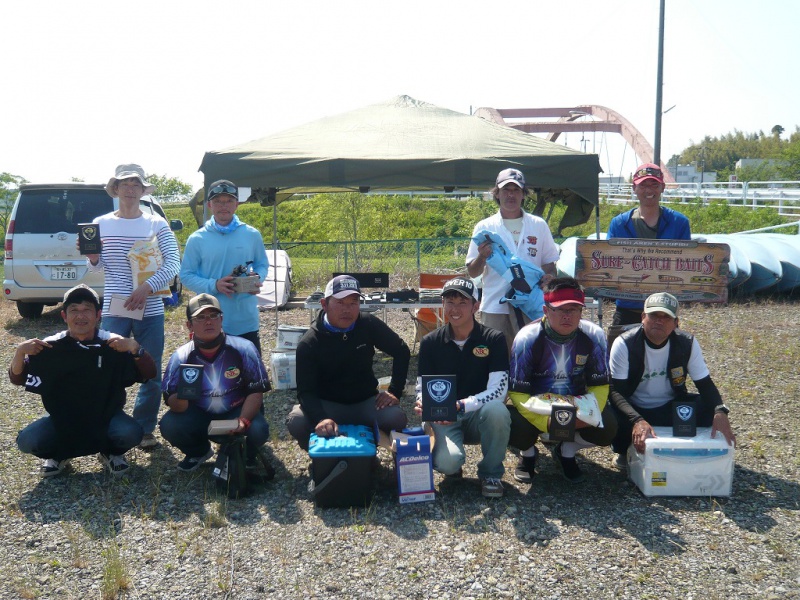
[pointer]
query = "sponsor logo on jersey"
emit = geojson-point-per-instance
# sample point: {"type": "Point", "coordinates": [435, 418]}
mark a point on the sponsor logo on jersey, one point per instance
{"type": "Point", "coordinates": [480, 351]}
{"type": "Point", "coordinates": [677, 375]}
{"type": "Point", "coordinates": [232, 373]}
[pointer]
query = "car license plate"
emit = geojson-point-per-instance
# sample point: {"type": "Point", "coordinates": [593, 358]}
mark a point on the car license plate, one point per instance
{"type": "Point", "coordinates": [58, 273]}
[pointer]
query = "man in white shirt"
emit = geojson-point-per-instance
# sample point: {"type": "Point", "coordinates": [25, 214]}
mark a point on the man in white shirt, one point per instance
{"type": "Point", "coordinates": [649, 367]}
{"type": "Point", "coordinates": [525, 235]}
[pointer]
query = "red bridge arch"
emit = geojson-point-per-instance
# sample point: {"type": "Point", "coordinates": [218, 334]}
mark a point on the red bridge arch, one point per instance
{"type": "Point", "coordinates": [607, 120]}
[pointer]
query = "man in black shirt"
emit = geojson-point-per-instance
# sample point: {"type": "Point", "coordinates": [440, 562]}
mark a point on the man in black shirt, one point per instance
{"type": "Point", "coordinates": [478, 356]}
{"type": "Point", "coordinates": [335, 380]}
{"type": "Point", "coordinates": [81, 375]}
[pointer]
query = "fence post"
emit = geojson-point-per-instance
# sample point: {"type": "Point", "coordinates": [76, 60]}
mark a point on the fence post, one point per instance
{"type": "Point", "coordinates": [346, 270]}
{"type": "Point", "coordinates": [419, 263]}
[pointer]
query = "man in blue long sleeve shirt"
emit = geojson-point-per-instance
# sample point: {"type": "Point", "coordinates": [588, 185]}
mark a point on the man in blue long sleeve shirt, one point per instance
{"type": "Point", "coordinates": [649, 220]}
{"type": "Point", "coordinates": [213, 251]}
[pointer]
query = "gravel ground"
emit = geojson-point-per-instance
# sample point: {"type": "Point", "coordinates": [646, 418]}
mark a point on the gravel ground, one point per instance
{"type": "Point", "coordinates": [164, 534]}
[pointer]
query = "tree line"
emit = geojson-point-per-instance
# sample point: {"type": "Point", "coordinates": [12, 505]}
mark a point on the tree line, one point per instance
{"type": "Point", "coordinates": [721, 153]}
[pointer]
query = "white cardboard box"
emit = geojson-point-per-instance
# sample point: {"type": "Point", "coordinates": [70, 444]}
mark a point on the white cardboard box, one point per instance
{"type": "Point", "coordinates": [698, 466]}
{"type": "Point", "coordinates": [246, 284]}
{"type": "Point", "coordinates": [414, 466]}
{"type": "Point", "coordinates": [289, 336]}
{"type": "Point", "coordinates": [284, 370]}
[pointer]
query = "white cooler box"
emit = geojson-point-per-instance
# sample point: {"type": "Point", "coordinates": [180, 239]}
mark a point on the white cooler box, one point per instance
{"type": "Point", "coordinates": [670, 466]}
{"type": "Point", "coordinates": [284, 370]}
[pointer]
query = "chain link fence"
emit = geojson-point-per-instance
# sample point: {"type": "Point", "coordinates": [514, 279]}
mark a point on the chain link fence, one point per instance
{"type": "Point", "coordinates": [314, 262]}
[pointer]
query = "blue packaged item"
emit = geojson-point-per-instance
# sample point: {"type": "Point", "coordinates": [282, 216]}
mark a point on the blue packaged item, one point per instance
{"type": "Point", "coordinates": [342, 467]}
{"type": "Point", "coordinates": [413, 465]}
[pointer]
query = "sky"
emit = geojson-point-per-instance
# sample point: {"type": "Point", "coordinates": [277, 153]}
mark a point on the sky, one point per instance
{"type": "Point", "coordinates": [92, 84]}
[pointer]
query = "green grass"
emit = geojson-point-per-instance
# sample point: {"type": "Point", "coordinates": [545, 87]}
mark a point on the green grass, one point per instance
{"type": "Point", "coordinates": [325, 218]}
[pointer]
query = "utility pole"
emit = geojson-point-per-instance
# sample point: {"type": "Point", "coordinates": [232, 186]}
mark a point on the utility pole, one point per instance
{"type": "Point", "coordinates": [659, 85]}
{"type": "Point", "coordinates": [702, 164]}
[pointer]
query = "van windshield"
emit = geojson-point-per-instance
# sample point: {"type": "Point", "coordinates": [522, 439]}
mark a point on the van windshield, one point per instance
{"type": "Point", "coordinates": [49, 211]}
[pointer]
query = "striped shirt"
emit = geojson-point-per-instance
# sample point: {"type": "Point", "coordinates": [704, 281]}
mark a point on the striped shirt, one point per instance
{"type": "Point", "coordinates": [118, 236]}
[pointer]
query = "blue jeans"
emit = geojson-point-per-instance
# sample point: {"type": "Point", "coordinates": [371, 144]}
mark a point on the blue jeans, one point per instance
{"type": "Point", "coordinates": [188, 430]}
{"type": "Point", "coordinates": [488, 426]}
{"type": "Point", "coordinates": [149, 332]}
{"type": "Point", "coordinates": [40, 439]}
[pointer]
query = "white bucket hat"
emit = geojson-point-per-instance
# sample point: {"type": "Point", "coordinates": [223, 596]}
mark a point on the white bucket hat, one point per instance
{"type": "Point", "coordinates": [126, 172]}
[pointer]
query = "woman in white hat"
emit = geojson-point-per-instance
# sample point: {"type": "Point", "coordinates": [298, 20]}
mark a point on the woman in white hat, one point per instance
{"type": "Point", "coordinates": [123, 231]}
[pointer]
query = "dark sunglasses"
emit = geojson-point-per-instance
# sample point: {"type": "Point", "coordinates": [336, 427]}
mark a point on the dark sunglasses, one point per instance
{"type": "Point", "coordinates": [223, 188]}
{"type": "Point", "coordinates": [648, 172]}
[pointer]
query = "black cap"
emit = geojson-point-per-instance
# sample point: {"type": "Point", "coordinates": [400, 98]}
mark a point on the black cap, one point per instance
{"type": "Point", "coordinates": [223, 186]}
{"type": "Point", "coordinates": [463, 286]}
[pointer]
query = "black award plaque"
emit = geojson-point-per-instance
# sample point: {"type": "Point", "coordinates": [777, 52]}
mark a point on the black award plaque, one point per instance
{"type": "Point", "coordinates": [439, 398]}
{"type": "Point", "coordinates": [562, 422]}
{"type": "Point", "coordinates": [89, 238]}
{"type": "Point", "coordinates": [190, 382]}
{"type": "Point", "coordinates": [684, 418]}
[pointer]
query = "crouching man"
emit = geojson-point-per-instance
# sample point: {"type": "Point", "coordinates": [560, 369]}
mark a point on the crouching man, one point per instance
{"type": "Point", "coordinates": [649, 367]}
{"type": "Point", "coordinates": [234, 381]}
{"type": "Point", "coordinates": [560, 357]}
{"type": "Point", "coordinates": [478, 357]}
{"type": "Point", "coordinates": [81, 375]}
{"type": "Point", "coordinates": [335, 380]}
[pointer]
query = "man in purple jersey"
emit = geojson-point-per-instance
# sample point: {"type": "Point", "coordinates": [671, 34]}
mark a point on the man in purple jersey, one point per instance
{"type": "Point", "coordinates": [234, 381]}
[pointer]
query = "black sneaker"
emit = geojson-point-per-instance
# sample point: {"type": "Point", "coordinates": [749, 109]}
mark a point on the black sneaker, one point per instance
{"type": "Point", "coordinates": [52, 467]}
{"type": "Point", "coordinates": [492, 487]}
{"type": "Point", "coordinates": [149, 442]}
{"type": "Point", "coordinates": [115, 463]}
{"type": "Point", "coordinates": [455, 476]}
{"type": "Point", "coordinates": [260, 461]}
{"type": "Point", "coordinates": [569, 466]}
{"type": "Point", "coordinates": [621, 462]}
{"type": "Point", "coordinates": [192, 463]}
{"type": "Point", "coordinates": [525, 469]}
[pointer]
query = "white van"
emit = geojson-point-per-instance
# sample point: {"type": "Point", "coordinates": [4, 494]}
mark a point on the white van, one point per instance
{"type": "Point", "coordinates": [41, 261]}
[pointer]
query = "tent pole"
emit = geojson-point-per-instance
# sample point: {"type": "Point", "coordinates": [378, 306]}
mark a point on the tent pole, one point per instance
{"type": "Point", "coordinates": [275, 260]}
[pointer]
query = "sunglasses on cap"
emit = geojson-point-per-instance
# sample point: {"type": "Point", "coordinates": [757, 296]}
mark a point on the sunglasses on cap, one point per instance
{"type": "Point", "coordinates": [223, 188]}
{"type": "Point", "coordinates": [648, 172]}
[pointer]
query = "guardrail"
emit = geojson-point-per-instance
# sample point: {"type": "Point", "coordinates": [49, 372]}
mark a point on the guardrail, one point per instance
{"type": "Point", "coordinates": [784, 196]}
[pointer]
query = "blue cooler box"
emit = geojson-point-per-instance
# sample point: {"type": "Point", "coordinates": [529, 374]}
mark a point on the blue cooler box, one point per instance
{"type": "Point", "coordinates": [342, 467]}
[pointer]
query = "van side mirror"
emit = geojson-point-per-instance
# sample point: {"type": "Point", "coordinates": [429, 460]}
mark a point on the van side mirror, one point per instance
{"type": "Point", "coordinates": [176, 224]}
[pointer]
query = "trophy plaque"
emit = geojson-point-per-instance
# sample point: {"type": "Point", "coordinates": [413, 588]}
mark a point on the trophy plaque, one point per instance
{"type": "Point", "coordinates": [562, 422]}
{"type": "Point", "coordinates": [684, 418]}
{"type": "Point", "coordinates": [439, 398]}
{"type": "Point", "coordinates": [89, 238]}
{"type": "Point", "coordinates": [190, 382]}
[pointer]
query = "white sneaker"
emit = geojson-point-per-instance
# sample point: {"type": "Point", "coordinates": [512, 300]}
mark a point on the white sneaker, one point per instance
{"type": "Point", "coordinates": [115, 463]}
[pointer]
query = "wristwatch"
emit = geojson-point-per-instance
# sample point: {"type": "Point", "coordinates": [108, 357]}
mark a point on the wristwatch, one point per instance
{"type": "Point", "coordinates": [721, 408]}
{"type": "Point", "coordinates": [139, 353]}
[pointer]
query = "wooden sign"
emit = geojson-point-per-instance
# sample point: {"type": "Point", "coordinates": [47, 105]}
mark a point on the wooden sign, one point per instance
{"type": "Point", "coordinates": [632, 269]}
